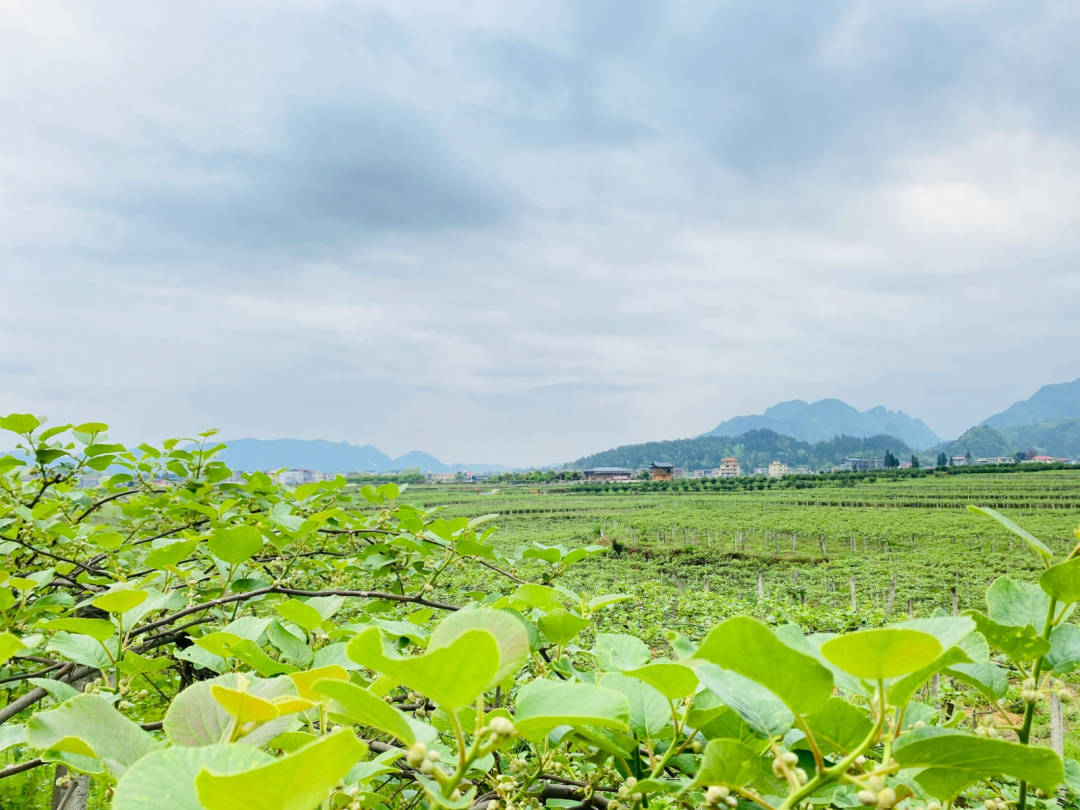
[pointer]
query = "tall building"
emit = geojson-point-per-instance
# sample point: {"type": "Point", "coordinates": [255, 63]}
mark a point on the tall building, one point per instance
{"type": "Point", "coordinates": [729, 468]}
{"type": "Point", "coordinates": [777, 469]}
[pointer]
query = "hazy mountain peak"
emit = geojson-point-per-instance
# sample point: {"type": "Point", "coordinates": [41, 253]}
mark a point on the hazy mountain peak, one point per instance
{"type": "Point", "coordinates": [1053, 401]}
{"type": "Point", "coordinates": [821, 420]}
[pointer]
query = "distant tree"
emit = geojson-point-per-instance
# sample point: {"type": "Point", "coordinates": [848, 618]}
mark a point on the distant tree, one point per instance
{"type": "Point", "coordinates": [967, 456]}
{"type": "Point", "coordinates": [643, 475]}
{"type": "Point", "coordinates": [948, 461]}
{"type": "Point", "coordinates": [1020, 456]}
{"type": "Point", "coordinates": [914, 461]}
{"type": "Point", "coordinates": [891, 461]}
{"type": "Point", "coordinates": [942, 459]}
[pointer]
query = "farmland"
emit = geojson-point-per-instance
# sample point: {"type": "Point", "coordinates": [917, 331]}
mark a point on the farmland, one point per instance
{"type": "Point", "coordinates": [827, 558]}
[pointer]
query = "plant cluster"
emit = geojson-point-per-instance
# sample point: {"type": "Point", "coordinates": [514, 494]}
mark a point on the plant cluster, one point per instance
{"type": "Point", "coordinates": [191, 638]}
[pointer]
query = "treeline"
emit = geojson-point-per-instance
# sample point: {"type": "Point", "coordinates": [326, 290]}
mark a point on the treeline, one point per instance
{"type": "Point", "coordinates": [755, 448]}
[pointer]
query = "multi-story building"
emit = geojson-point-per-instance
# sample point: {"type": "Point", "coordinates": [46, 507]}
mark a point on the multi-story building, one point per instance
{"type": "Point", "coordinates": [777, 469]}
{"type": "Point", "coordinates": [729, 468]}
{"type": "Point", "coordinates": [661, 471]}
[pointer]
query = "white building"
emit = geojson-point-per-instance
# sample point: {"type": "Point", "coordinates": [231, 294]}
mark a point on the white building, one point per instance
{"type": "Point", "coordinates": [777, 469]}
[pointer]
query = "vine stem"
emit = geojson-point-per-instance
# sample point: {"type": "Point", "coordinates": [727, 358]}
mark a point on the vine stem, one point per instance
{"type": "Point", "coordinates": [1024, 735]}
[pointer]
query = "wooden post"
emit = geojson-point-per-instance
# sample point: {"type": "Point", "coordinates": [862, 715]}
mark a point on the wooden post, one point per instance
{"type": "Point", "coordinates": [854, 603]}
{"type": "Point", "coordinates": [955, 602]}
{"type": "Point", "coordinates": [892, 597]}
{"type": "Point", "coordinates": [760, 585]}
{"type": "Point", "coordinates": [911, 608]}
{"type": "Point", "coordinates": [1057, 725]}
{"type": "Point", "coordinates": [707, 584]}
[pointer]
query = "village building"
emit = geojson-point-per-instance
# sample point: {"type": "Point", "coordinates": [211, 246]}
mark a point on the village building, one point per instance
{"type": "Point", "coordinates": [729, 468]}
{"type": "Point", "coordinates": [609, 474]}
{"type": "Point", "coordinates": [661, 471]}
{"type": "Point", "coordinates": [777, 469]}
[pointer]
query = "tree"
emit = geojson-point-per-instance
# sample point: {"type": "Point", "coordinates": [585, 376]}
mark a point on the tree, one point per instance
{"type": "Point", "coordinates": [891, 461]}
{"type": "Point", "coordinates": [942, 459]}
{"type": "Point", "coordinates": [914, 461]}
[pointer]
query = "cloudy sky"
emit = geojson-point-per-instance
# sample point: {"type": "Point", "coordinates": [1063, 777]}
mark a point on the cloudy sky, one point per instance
{"type": "Point", "coordinates": [521, 232]}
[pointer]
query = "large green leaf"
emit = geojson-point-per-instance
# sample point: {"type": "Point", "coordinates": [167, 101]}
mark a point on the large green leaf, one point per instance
{"type": "Point", "coordinates": [951, 760]}
{"type": "Point", "coordinates": [9, 645]}
{"type": "Point", "coordinates": [299, 613]}
{"type": "Point", "coordinates": [839, 727]}
{"type": "Point", "coordinates": [1062, 581]}
{"type": "Point", "coordinates": [650, 712]}
{"type": "Point", "coordinates": [364, 708]}
{"type": "Point", "coordinates": [97, 629]}
{"type": "Point", "coordinates": [505, 626]}
{"type": "Point", "coordinates": [1034, 543]}
{"type": "Point", "coordinates": [542, 705]}
{"type": "Point", "coordinates": [1064, 655]}
{"type": "Point", "coordinates": [561, 626]}
{"type": "Point", "coordinates": [729, 763]}
{"type": "Point", "coordinates": [990, 679]}
{"type": "Point", "coordinates": [758, 706]}
{"type": "Point", "coordinates": [167, 778]}
{"type": "Point", "coordinates": [235, 544]}
{"type": "Point", "coordinates": [195, 718]}
{"type": "Point", "coordinates": [1017, 603]}
{"type": "Point", "coordinates": [886, 652]}
{"type": "Point", "coordinates": [88, 726]}
{"type": "Point", "coordinates": [750, 648]}
{"type": "Point", "coordinates": [617, 652]}
{"type": "Point", "coordinates": [1018, 642]}
{"type": "Point", "coordinates": [453, 676]}
{"type": "Point", "coordinates": [299, 781]}
{"type": "Point", "coordinates": [673, 680]}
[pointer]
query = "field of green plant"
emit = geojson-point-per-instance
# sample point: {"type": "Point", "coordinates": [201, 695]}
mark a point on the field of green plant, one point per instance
{"type": "Point", "coordinates": [174, 637]}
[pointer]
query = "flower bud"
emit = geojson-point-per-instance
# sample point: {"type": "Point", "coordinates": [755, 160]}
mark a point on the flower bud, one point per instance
{"type": "Point", "coordinates": [502, 726]}
{"type": "Point", "coordinates": [886, 798]}
{"type": "Point", "coordinates": [714, 796]}
{"type": "Point", "coordinates": [416, 755]}
{"type": "Point", "coordinates": [867, 797]}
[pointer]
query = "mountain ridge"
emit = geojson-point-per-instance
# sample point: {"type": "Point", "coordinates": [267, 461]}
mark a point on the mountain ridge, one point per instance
{"type": "Point", "coordinates": [819, 421]}
{"type": "Point", "coordinates": [332, 457]}
{"type": "Point", "coordinates": [1051, 401]}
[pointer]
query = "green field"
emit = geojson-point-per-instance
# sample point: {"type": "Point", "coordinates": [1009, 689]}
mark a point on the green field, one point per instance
{"type": "Point", "coordinates": [691, 558]}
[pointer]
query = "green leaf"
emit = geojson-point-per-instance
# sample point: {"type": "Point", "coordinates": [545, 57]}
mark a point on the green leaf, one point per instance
{"type": "Point", "coordinates": [561, 626]}
{"type": "Point", "coordinates": [507, 628]}
{"type": "Point", "coordinates": [88, 725]}
{"type": "Point", "coordinates": [990, 679]}
{"type": "Point", "coordinates": [839, 727]}
{"type": "Point", "coordinates": [299, 613]}
{"type": "Point", "coordinates": [1062, 581]}
{"type": "Point", "coordinates": [81, 649]}
{"type": "Point", "coordinates": [1034, 543]}
{"type": "Point", "coordinates": [756, 705]}
{"type": "Point", "coordinates": [729, 763]}
{"type": "Point", "coordinates": [951, 760]}
{"type": "Point", "coordinates": [119, 601]}
{"type": "Point", "coordinates": [887, 652]}
{"type": "Point", "coordinates": [299, 781]}
{"type": "Point", "coordinates": [235, 544]}
{"type": "Point", "coordinates": [542, 705]}
{"type": "Point", "coordinates": [167, 778]}
{"type": "Point", "coordinates": [453, 676]}
{"type": "Point", "coordinates": [650, 713]}
{"type": "Point", "coordinates": [9, 645]}
{"type": "Point", "coordinates": [362, 707]}
{"type": "Point", "coordinates": [19, 422]}
{"type": "Point", "coordinates": [1020, 643]}
{"type": "Point", "coordinates": [748, 647]}
{"type": "Point", "coordinates": [170, 554]}
{"type": "Point", "coordinates": [1017, 603]}
{"type": "Point", "coordinates": [671, 679]}
{"type": "Point", "coordinates": [1064, 655]}
{"type": "Point", "coordinates": [97, 629]}
{"type": "Point", "coordinates": [616, 652]}
{"type": "Point", "coordinates": [195, 718]}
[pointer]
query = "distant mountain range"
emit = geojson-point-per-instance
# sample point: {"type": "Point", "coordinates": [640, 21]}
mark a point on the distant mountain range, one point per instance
{"type": "Point", "coordinates": [327, 456]}
{"type": "Point", "coordinates": [821, 420]}
{"type": "Point", "coordinates": [824, 433]}
{"type": "Point", "coordinates": [1055, 401]}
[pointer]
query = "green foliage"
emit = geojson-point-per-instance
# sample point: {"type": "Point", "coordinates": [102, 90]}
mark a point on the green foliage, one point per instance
{"type": "Point", "coordinates": [194, 639]}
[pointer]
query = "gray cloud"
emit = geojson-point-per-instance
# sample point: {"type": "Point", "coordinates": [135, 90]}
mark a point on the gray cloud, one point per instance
{"type": "Point", "coordinates": [521, 233]}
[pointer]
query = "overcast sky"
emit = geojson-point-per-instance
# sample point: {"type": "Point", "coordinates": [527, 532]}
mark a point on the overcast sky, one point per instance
{"type": "Point", "coordinates": [522, 232]}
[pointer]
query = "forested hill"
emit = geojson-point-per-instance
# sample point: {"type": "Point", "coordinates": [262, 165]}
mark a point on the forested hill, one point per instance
{"type": "Point", "coordinates": [755, 448]}
{"type": "Point", "coordinates": [1055, 437]}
